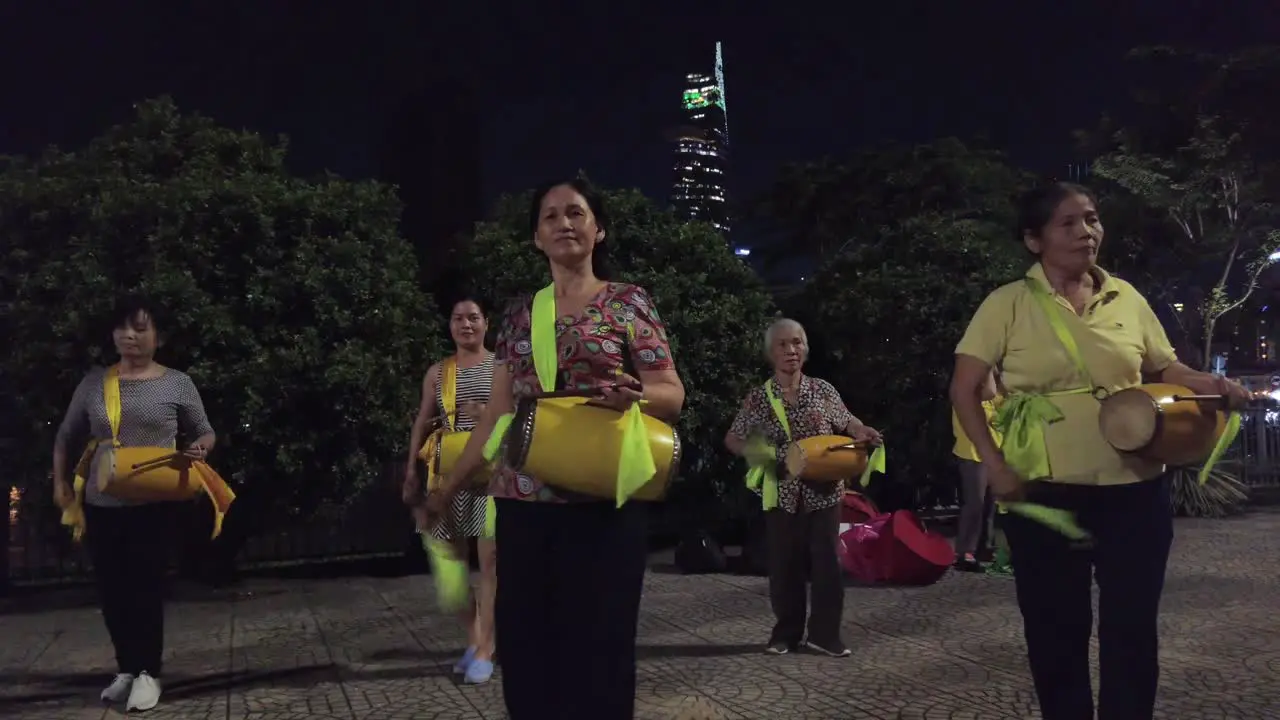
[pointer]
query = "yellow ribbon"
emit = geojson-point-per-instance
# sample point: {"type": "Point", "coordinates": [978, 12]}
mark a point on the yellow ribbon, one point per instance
{"type": "Point", "coordinates": [451, 575]}
{"type": "Point", "coordinates": [762, 459]}
{"type": "Point", "coordinates": [762, 475]}
{"type": "Point", "coordinates": [875, 463]}
{"type": "Point", "coordinates": [635, 458]}
{"type": "Point", "coordinates": [1224, 441]}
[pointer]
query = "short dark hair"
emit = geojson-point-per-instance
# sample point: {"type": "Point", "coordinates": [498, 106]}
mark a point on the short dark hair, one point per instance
{"type": "Point", "coordinates": [460, 298]}
{"type": "Point", "coordinates": [129, 307]}
{"type": "Point", "coordinates": [595, 201]}
{"type": "Point", "coordinates": [1036, 206]}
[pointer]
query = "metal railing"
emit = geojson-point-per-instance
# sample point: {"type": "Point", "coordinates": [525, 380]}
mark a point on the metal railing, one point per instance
{"type": "Point", "coordinates": [1257, 449]}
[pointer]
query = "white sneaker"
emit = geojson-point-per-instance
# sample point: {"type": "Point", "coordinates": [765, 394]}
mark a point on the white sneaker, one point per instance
{"type": "Point", "coordinates": [145, 693]}
{"type": "Point", "coordinates": [119, 688]}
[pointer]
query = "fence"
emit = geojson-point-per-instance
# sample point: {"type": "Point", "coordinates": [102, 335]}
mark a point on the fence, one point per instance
{"type": "Point", "coordinates": [376, 525]}
{"type": "Point", "coordinates": [1257, 450]}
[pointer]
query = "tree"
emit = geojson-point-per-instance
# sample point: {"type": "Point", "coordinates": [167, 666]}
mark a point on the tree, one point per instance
{"type": "Point", "coordinates": [714, 307]}
{"type": "Point", "coordinates": [821, 209]}
{"type": "Point", "coordinates": [294, 304]}
{"type": "Point", "coordinates": [1200, 157]}
{"type": "Point", "coordinates": [884, 315]}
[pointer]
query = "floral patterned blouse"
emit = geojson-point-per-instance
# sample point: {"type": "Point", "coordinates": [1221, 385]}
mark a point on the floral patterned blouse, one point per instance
{"type": "Point", "coordinates": [818, 410]}
{"type": "Point", "coordinates": [594, 347]}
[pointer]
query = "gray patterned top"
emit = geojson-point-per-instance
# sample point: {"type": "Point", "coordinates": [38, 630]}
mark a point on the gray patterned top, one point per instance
{"type": "Point", "coordinates": [153, 413]}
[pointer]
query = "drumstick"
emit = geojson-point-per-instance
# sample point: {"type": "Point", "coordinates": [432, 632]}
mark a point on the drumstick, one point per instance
{"type": "Point", "coordinates": [156, 462]}
{"type": "Point", "coordinates": [589, 393]}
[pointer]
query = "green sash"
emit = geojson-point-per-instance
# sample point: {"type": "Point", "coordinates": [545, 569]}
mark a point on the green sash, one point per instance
{"type": "Point", "coordinates": [635, 460]}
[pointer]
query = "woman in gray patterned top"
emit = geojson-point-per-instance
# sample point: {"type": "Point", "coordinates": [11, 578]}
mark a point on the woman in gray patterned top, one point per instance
{"type": "Point", "coordinates": [465, 518]}
{"type": "Point", "coordinates": [128, 541]}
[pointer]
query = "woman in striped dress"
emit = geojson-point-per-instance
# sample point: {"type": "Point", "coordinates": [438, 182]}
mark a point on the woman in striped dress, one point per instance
{"type": "Point", "coordinates": [472, 365]}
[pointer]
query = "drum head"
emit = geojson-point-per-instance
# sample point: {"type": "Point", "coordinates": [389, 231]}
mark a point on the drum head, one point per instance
{"type": "Point", "coordinates": [1129, 420]}
{"type": "Point", "coordinates": [520, 433]}
{"type": "Point", "coordinates": [796, 460]}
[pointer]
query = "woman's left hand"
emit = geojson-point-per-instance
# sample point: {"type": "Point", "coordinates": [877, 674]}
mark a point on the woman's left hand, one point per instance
{"type": "Point", "coordinates": [196, 451]}
{"type": "Point", "coordinates": [622, 394]}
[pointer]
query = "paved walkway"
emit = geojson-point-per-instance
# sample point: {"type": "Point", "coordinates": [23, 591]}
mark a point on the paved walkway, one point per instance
{"type": "Point", "coordinates": [373, 649]}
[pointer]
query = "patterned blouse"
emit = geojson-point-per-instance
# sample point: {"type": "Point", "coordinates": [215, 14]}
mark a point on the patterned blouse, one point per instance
{"type": "Point", "coordinates": [593, 348]}
{"type": "Point", "coordinates": [818, 410]}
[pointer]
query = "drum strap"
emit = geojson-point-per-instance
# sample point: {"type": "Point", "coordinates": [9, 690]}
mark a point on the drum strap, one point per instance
{"type": "Point", "coordinates": [73, 516]}
{"type": "Point", "coordinates": [449, 390]}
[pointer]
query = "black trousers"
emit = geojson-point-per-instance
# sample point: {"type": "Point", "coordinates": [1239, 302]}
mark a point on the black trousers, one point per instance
{"type": "Point", "coordinates": [1132, 528]}
{"type": "Point", "coordinates": [129, 547]}
{"type": "Point", "coordinates": [802, 552]}
{"type": "Point", "coordinates": [569, 584]}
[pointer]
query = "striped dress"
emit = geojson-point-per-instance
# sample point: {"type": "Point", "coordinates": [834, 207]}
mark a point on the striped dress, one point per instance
{"type": "Point", "coordinates": [466, 518]}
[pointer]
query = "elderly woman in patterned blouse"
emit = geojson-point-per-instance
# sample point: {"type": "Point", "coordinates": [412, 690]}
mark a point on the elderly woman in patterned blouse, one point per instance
{"type": "Point", "coordinates": [803, 530]}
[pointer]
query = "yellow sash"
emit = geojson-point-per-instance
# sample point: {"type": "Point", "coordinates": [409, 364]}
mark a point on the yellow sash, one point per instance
{"type": "Point", "coordinates": [220, 494]}
{"type": "Point", "coordinates": [449, 406]}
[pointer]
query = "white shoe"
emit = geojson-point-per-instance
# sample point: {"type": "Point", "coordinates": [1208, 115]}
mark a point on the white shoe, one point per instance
{"type": "Point", "coordinates": [145, 693]}
{"type": "Point", "coordinates": [119, 688]}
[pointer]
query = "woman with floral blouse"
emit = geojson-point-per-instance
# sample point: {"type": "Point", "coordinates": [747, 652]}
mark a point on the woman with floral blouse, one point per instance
{"type": "Point", "coordinates": [803, 530]}
{"type": "Point", "coordinates": [570, 567]}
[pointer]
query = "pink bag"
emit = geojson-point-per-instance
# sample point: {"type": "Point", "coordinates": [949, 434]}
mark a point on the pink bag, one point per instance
{"type": "Point", "coordinates": [894, 549]}
{"type": "Point", "coordinates": [858, 548]}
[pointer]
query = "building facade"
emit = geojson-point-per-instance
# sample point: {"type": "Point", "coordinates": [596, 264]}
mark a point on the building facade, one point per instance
{"type": "Point", "coordinates": [701, 159]}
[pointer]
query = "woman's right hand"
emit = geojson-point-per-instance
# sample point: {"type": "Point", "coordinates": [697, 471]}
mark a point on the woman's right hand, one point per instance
{"type": "Point", "coordinates": [63, 494]}
{"type": "Point", "coordinates": [411, 488]}
{"type": "Point", "coordinates": [1004, 482]}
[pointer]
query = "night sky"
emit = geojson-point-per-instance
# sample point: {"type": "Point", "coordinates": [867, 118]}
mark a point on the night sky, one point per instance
{"type": "Point", "coordinates": [587, 85]}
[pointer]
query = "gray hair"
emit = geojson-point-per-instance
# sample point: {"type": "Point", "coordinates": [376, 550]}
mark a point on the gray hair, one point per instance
{"type": "Point", "coordinates": [780, 324]}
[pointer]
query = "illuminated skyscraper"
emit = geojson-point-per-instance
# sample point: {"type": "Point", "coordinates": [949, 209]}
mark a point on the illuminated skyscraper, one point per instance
{"type": "Point", "coordinates": [702, 150]}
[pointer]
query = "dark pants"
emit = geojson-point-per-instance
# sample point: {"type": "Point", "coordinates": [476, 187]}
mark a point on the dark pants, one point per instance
{"type": "Point", "coordinates": [802, 550]}
{"type": "Point", "coordinates": [129, 547]}
{"type": "Point", "coordinates": [977, 508]}
{"type": "Point", "coordinates": [569, 584]}
{"type": "Point", "coordinates": [1132, 529]}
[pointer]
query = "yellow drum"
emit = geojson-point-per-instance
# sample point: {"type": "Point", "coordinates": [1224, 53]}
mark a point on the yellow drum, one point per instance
{"type": "Point", "coordinates": [146, 474]}
{"type": "Point", "coordinates": [441, 452]}
{"type": "Point", "coordinates": [571, 445]}
{"type": "Point", "coordinates": [1152, 422]}
{"type": "Point", "coordinates": [826, 458]}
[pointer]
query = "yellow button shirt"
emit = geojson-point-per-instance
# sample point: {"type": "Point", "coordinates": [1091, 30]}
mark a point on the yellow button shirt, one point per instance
{"type": "Point", "coordinates": [1119, 337]}
{"type": "Point", "coordinates": [964, 446]}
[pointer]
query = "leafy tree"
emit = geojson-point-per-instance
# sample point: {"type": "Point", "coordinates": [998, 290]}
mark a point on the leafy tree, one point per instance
{"type": "Point", "coordinates": [884, 315]}
{"type": "Point", "coordinates": [714, 307]}
{"type": "Point", "coordinates": [884, 319]}
{"type": "Point", "coordinates": [821, 209]}
{"type": "Point", "coordinates": [1201, 158]}
{"type": "Point", "coordinates": [294, 304]}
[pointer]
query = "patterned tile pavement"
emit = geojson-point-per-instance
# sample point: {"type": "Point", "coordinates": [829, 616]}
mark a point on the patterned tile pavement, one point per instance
{"type": "Point", "coordinates": [373, 649]}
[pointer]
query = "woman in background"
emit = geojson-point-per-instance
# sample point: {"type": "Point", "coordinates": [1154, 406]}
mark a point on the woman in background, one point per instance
{"type": "Point", "coordinates": [128, 541]}
{"type": "Point", "coordinates": [977, 506]}
{"type": "Point", "coordinates": [472, 366]}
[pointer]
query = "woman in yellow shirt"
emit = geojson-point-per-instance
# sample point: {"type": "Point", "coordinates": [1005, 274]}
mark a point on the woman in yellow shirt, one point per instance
{"type": "Point", "coordinates": [1063, 460]}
